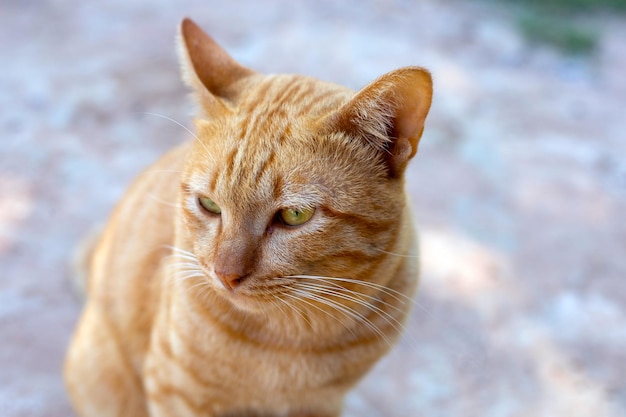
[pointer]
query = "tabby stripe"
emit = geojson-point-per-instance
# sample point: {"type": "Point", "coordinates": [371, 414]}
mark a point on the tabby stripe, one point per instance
{"type": "Point", "coordinates": [362, 268]}
{"type": "Point", "coordinates": [287, 91]}
{"type": "Point", "coordinates": [258, 98]}
{"type": "Point", "coordinates": [230, 162]}
{"type": "Point", "coordinates": [186, 188]}
{"type": "Point", "coordinates": [372, 311]}
{"type": "Point", "coordinates": [284, 135]}
{"type": "Point", "coordinates": [213, 183]}
{"type": "Point", "coordinates": [277, 190]}
{"type": "Point", "coordinates": [305, 92]}
{"type": "Point", "coordinates": [249, 124]}
{"type": "Point", "coordinates": [269, 118]}
{"type": "Point", "coordinates": [360, 256]}
{"type": "Point", "coordinates": [263, 166]}
{"type": "Point", "coordinates": [204, 309]}
{"type": "Point", "coordinates": [116, 338]}
{"type": "Point", "coordinates": [295, 94]}
{"type": "Point", "coordinates": [195, 355]}
{"type": "Point", "coordinates": [206, 312]}
{"type": "Point", "coordinates": [369, 271]}
{"type": "Point", "coordinates": [374, 226]}
{"type": "Point", "coordinates": [239, 168]}
{"type": "Point", "coordinates": [389, 248]}
{"type": "Point", "coordinates": [191, 371]}
{"type": "Point", "coordinates": [188, 212]}
{"type": "Point", "coordinates": [244, 126]}
{"type": "Point", "coordinates": [290, 93]}
{"type": "Point", "coordinates": [165, 391]}
{"type": "Point", "coordinates": [278, 103]}
{"type": "Point", "coordinates": [314, 100]}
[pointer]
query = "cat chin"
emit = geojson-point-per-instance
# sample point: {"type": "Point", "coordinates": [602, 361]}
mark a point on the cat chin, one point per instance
{"type": "Point", "coordinates": [240, 300]}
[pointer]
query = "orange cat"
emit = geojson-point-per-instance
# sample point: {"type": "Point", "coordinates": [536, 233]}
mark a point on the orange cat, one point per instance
{"type": "Point", "coordinates": [282, 271]}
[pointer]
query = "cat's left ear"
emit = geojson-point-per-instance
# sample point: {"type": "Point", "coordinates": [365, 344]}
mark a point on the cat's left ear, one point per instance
{"type": "Point", "coordinates": [208, 68]}
{"type": "Point", "coordinates": [389, 114]}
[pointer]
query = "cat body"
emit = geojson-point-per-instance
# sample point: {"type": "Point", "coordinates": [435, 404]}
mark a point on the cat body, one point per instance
{"type": "Point", "coordinates": [263, 268]}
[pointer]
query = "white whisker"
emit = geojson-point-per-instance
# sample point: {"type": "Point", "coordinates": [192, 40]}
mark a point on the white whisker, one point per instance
{"type": "Point", "coordinates": [279, 307]}
{"type": "Point", "coordinates": [201, 284]}
{"type": "Point", "coordinates": [184, 127]}
{"type": "Point", "coordinates": [191, 271]}
{"type": "Point", "coordinates": [161, 201]}
{"type": "Point", "coordinates": [397, 295]}
{"type": "Point", "coordinates": [180, 250]}
{"type": "Point", "coordinates": [202, 290]}
{"type": "Point", "coordinates": [336, 287]}
{"type": "Point", "coordinates": [396, 254]}
{"type": "Point", "coordinates": [185, 266]}
{"type": "Point", "coordinates": [389, 319]}
{"type": "Point", "coordinates": [185, 261]}
{"type": "Point", "coordinates": [295, 297]}
{"type": "Point", "coordinates": [294, 308]}
{"type": "Point", "coordinates": [171, 120]}
{"type": "Point", "coordinates": [347, 311]}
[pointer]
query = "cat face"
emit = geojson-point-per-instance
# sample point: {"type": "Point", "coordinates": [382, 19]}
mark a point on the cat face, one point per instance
{"type": "Point", "coordinates": [291, 177]}
{"type": "Point", "coordinates": [269, 191]}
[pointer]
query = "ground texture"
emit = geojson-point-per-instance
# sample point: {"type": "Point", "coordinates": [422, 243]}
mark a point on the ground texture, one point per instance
{"type": "Point", "coordinates": [519, 187]}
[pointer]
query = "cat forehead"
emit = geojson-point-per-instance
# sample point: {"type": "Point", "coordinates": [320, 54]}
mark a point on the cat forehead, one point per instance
{"type": "Point", "coordinates": [272, 111]}
{"type": "Point", "coordinates": [266, 169]}
{"type": "Point", "coordinates": [256, 175]}
{"type": "Point", "coordinates": [289, 95]}
{"type": "Point", "coordinates": [257, 188]}
{"type": "Point", "coordinates": [268, 147]}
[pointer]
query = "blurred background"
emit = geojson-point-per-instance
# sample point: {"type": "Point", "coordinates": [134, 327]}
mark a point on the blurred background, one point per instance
{"type": "Point", "coordinates": [519, 186]}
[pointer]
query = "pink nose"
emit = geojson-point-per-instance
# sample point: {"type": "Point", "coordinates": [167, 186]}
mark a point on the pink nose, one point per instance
{"type": "Point", "coordinates": [234, 258]}
{"type": "Point", "coordinates": [230, 281]}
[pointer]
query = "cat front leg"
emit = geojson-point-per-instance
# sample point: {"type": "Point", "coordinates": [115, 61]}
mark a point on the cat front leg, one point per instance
{"type": "Point", "coordinates": [99, 378]}
{"type": "Point", "coordinates": [168, 380]}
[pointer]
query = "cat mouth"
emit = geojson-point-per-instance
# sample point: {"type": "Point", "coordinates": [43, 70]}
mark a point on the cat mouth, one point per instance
{"type": "Point", "coordinates": [252, 289]}
{"type": "Point", "coordinates": [248, 287]}
{"type": "Point", "coordinates": [249, 300]}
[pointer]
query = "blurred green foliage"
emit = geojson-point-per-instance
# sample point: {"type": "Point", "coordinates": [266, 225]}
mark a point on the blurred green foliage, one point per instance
{"type": "Point", "coordinates": [563, 23]}
{"type": "Point", "coordinates": [572, 6]}
{"type": "Point", "coordinates": [564, 33]}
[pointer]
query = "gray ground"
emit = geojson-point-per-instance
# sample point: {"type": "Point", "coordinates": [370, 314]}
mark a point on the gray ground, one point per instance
{"type": "Point", "coordinates": [519, 187]}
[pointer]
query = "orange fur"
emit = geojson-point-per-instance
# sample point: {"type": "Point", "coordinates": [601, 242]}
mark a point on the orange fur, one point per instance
{"type": "Point", "coordinates": [193, 313]}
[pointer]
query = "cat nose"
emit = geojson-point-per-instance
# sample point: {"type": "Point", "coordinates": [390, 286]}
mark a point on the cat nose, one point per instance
{"type": "Point", "coordinates": [229, 280]}
{"type": "Point", "coordinates": [234, 257]}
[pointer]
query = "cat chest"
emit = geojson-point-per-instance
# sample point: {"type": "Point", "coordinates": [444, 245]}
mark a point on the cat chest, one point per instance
{"type": "Point", "coordinates": [213, 369]}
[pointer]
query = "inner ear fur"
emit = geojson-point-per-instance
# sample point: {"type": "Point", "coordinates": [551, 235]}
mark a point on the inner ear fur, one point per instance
{"type": "Point", "coordinates": [207, 68]}
{"type": "Point", "coordinates": [389, 114]}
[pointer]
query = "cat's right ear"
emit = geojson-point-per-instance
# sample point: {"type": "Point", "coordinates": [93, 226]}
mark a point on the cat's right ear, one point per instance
{"type": "Point", "coordinates": [208, 69]}
{"type": "Point", "coordinates": [389, 115]}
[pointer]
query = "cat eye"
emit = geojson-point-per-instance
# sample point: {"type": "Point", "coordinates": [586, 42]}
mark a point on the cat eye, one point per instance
{"type": "Point", "coordinates": [295, 217]}
{"type": "Point", "coordinates": [209, 205]}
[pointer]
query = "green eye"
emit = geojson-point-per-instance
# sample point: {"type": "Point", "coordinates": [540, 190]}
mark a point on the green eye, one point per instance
{"type": "Point", "coordinates": [295, 217]}
{"type": "Point", "coordinates": [209, 205]}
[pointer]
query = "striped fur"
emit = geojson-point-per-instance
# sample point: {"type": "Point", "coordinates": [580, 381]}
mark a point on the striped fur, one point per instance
{"type": "Point", "coordinates": [191, 313]}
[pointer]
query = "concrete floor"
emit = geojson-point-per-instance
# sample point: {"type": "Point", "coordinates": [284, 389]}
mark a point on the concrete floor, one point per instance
{"type": "Point", "coordinates": [519, 187]}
